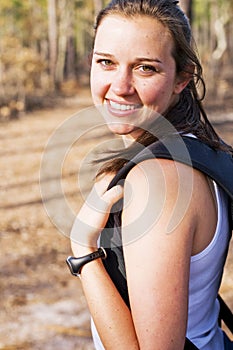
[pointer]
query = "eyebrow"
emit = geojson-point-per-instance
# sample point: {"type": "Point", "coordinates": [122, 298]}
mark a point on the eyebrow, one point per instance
{"type": "Point", "coordinates": [102, 54]}
{"type": "Point", "coordinates": [138, 59]}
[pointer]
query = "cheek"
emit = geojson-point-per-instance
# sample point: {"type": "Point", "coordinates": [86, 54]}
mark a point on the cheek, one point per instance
{"type": "Point", "coordinates": [157, 95]}
{"type": "Point", "coordinates": [92, 80]}
{"type": "Point", "coordinates": [151, 95]}
{"type": "Point", "coordinates": [98, 84]}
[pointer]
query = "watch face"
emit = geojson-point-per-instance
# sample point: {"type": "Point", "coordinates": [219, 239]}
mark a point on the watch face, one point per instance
{"type": "Point", "coordinates": [69, 263]}
{"type": "Point", "coordinates": [75, 264]}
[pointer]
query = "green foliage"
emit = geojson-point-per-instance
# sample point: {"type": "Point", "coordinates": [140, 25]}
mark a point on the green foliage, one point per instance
{"type": "Point", "coordinates": [25, 49]}
{"type": "Point", "coordinates": [22, 61]}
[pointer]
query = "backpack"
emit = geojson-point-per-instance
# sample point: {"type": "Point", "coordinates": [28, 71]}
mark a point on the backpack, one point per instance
{"type": "Point", "coordinates": [216, 164]}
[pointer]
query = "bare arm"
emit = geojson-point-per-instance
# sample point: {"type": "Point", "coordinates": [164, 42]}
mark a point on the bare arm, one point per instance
{"type": "Point", "coordinates": [157, 252]}
{"type": "Point", "coordinates": [157, 266]}
{"type": "Point", "coordinates": [109, 312]}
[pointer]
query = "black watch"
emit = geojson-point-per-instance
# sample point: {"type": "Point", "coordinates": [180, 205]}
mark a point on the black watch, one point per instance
{"type": "Point", "coordinates": [76, 264]}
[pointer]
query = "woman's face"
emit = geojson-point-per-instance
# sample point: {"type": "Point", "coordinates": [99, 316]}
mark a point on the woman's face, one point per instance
{"type": "Point", "coordinates": [133, 74]}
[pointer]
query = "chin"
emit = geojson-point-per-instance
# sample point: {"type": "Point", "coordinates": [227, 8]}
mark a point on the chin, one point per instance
{"type": "Point", "coordinates": [121, 129]}
{"type": "Point", "coordinates": [125, 130]}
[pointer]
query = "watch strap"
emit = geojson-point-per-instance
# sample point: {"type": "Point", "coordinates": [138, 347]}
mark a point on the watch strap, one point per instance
{"type": "Point", "coordinates": [75, 264]}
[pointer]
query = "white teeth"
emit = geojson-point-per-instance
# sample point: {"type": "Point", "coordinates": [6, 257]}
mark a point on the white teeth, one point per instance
{"type": "Point", "coordinates": [122, 107]}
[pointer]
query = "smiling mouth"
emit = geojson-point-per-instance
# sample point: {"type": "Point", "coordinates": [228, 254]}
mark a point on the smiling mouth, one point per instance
{"type": "Point", "coordinates": [124, 107]}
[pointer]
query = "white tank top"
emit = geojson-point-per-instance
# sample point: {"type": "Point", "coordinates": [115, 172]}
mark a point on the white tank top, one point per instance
{"type": "Point", "coordinates": [205, 278]}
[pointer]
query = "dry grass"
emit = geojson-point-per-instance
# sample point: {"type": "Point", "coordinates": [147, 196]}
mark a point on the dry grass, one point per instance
{"type": "Point", "coordinates": [42, 306]}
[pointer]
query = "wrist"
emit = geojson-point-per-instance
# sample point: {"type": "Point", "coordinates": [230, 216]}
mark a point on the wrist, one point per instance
{"type": "Point", "coordinates": [76, 264]}
{"type": "Point", "coordinates": [79, 249]}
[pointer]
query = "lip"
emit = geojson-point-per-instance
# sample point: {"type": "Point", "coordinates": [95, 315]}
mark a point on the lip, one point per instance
{"type": "Point", "coordinates": [122, 108]}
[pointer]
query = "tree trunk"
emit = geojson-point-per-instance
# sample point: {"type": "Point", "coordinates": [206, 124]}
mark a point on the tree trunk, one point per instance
{"type": "Point", "coordinates": [70, 49]}
{"type": "Point", "coordinates": [52, 35]}
{"type": "Point", "coordinates": [98, 5]}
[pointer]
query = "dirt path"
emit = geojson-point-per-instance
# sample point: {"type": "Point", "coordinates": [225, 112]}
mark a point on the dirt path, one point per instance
{"type": "Point", "coordinates": [42, 306]}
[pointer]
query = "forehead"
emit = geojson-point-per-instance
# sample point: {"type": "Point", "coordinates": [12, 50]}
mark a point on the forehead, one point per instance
{"type": "Point", "coordinates": [142, 34]}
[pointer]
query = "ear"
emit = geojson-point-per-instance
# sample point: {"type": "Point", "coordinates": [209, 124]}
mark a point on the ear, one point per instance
{"type": "Point", "coordinates": [183, 78]}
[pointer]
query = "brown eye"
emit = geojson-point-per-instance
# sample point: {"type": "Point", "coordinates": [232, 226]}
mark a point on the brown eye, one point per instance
{"type": "Point", "coordinates": [147, 68]}
{"type": "Point", "coordinates": [105, 62]}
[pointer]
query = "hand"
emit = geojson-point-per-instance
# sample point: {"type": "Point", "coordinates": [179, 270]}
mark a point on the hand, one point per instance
{"type": "Point", "coordinates": [94, 214]}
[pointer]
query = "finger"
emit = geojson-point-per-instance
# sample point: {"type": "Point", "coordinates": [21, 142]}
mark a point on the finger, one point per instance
{"type": "Point", "coordinates": [113, 195]}
{"type": "Point", "coordinates": [102, 184]}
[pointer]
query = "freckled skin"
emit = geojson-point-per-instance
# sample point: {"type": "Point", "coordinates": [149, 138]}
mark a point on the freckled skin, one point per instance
{"type": "Point", "coordinates": [121, 78]}
{"type": "Point", "coordinates": [133, 78]}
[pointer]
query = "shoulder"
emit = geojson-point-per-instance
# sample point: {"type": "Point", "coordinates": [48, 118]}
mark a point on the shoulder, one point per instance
{"type": "Point", "coordinates": [168, 173]}
{"type": "Point", "coordinates": [173, 195]}
{"type": "Point", "coordinates": [161, 174]}
{"type": "Point", "coordinates": [159, 190]}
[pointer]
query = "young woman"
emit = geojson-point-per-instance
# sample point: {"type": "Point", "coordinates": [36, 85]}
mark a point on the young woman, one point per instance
{"type": "Point", "coordinates": [144, 69]}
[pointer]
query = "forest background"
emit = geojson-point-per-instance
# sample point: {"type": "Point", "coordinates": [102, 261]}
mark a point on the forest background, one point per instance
{"type": "Point", "coordinates": [45, 47]}
{"type": "Point", "coordinates": [45, 50]}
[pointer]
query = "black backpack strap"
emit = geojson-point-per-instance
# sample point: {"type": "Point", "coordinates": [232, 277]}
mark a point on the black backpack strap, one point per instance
{"type": "Point", "coordinates": [216, 164]}
{"type": "Point", "coordinates": [225, 314]}
{"type": "Point", "coordinates": [231, 212]}
{"type": "Point", "coordinates": [189, 345]}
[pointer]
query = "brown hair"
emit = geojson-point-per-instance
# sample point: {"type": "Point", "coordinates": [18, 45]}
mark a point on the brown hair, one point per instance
{"type": "Point", "coordinates": [188, 116]}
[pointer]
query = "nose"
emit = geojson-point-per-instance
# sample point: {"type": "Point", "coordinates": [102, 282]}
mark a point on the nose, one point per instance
{"type": "Point", "coordinates": [123, 84]}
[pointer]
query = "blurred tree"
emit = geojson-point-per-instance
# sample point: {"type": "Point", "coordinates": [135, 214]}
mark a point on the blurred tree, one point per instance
{"type": "Point", "coordinates": [52, 36]}
{"type": "Point", "coordinates": [45, 44]}
{"type": "Point", "coordinates": [71, 42]}
{"type": "Point", "coordinates": [98, 5]}
{"type": "Point", "coordinates": [213, 25]}
{"type": "Point", "coordinates": [23, 54]}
